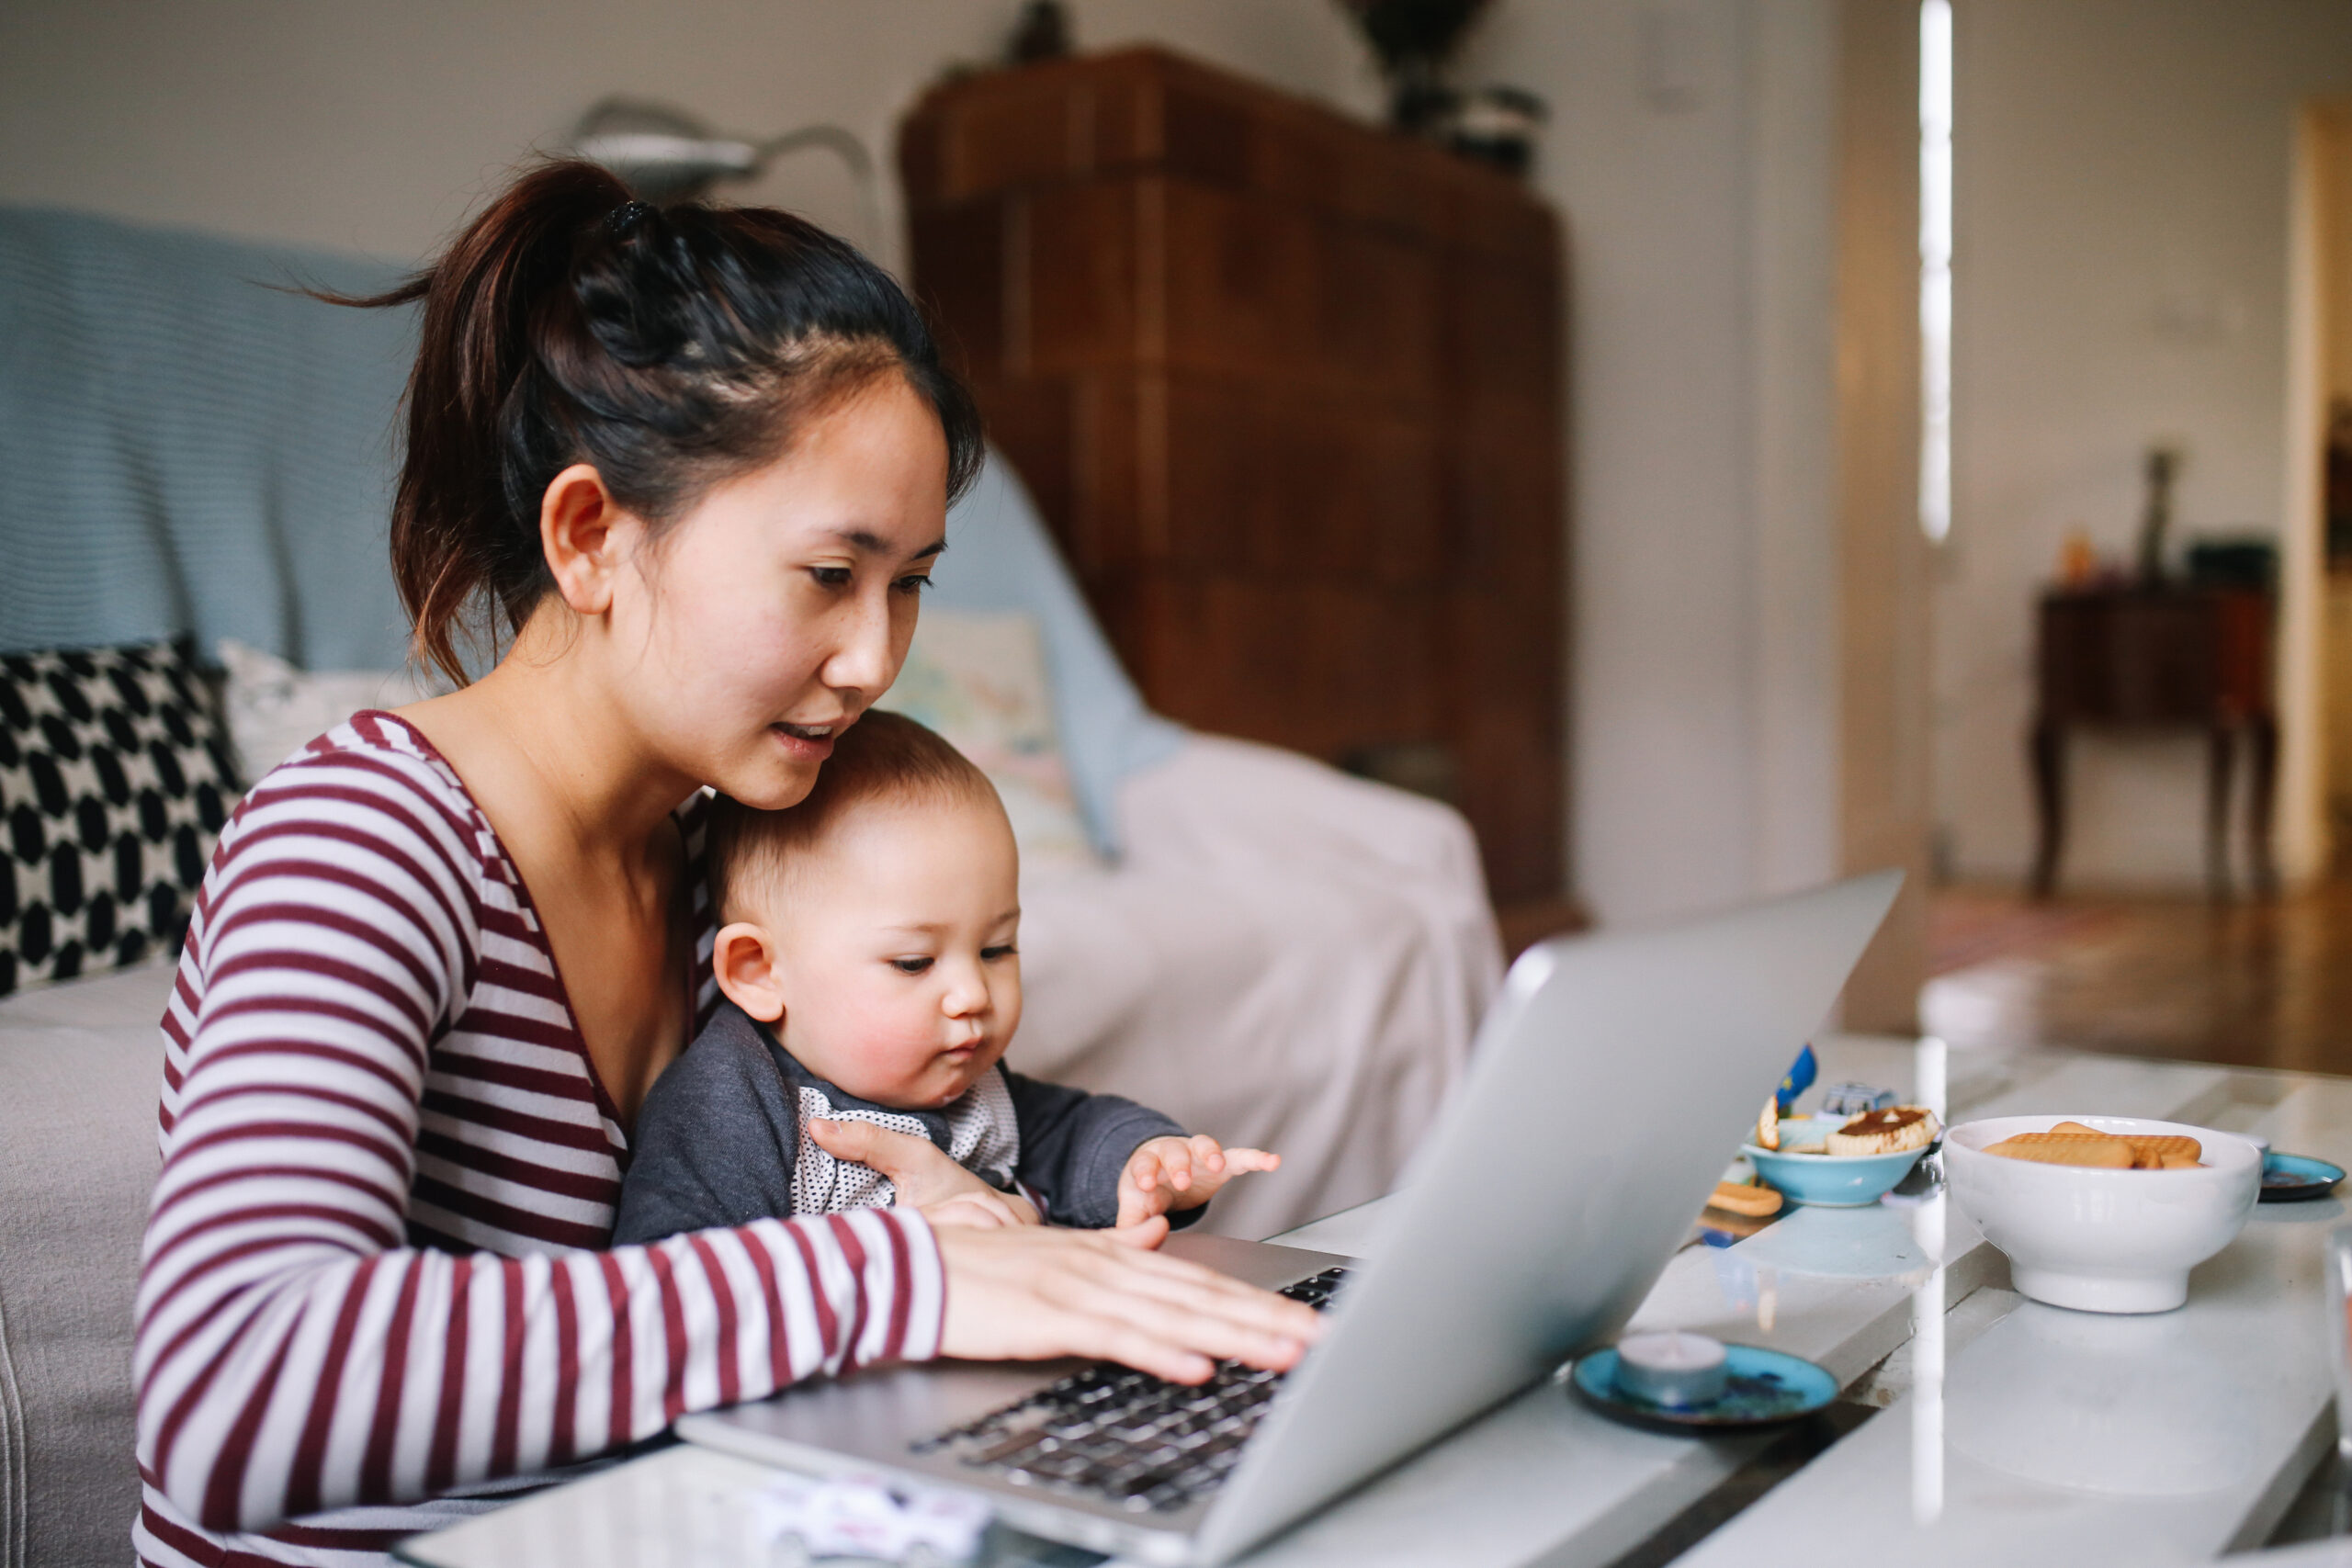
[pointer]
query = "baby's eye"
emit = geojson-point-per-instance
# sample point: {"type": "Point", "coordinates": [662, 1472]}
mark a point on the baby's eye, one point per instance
{"type": "Point", "coordinates": [910, 965]}
{"type": "Point", "coordinates": [831, 576]}
{"type": "Point", "coordinates": [1004, 949]}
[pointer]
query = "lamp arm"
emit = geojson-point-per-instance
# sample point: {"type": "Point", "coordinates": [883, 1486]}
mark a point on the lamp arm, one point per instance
{"type": "Point", "coordinates": [848, 148]}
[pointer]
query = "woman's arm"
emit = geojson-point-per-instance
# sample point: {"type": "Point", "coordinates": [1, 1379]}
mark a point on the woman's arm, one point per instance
{"type": "Point", "coordinates": [293, 1353]}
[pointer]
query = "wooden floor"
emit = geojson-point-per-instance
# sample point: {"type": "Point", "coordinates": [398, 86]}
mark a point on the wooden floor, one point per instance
{"type": "Point", "coordinates": [2250, 983]}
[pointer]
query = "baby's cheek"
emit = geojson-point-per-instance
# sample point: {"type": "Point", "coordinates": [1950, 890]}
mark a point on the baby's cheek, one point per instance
{"type": "Point", "coordinates": [896, 1042]}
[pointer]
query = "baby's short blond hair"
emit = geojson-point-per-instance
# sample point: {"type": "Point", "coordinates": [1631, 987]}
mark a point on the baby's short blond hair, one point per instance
{"type": "Point", "coordinates": [884, 757]}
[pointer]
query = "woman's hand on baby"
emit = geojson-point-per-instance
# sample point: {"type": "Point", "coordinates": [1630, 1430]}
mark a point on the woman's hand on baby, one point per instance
{"type": "Point", "coordinates": [1173, 1172]}
{"type": "Point", "coordinates": [1027, 1294]}
{"type": "Point", "coordinates": [982, 1210]}
{"type": "Point", "coordinates": [922, 1176]}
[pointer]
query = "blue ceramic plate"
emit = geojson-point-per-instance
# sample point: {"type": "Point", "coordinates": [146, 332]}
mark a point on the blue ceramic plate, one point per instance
{"type": "Point", "coordinates": [1831, 1181]}
{"type": "Point", "coordinates": [2290, 1179]}
{"type": "Point", "coordinates": [1767, 1387]}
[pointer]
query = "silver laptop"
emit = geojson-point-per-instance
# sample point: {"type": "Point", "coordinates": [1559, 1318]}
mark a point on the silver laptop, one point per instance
{"type": "Point", "coordinates": [1608, 1088]}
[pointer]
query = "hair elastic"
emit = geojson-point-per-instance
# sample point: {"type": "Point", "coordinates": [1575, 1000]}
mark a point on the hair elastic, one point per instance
{"type": "Point", "coordinates": [625, 218]}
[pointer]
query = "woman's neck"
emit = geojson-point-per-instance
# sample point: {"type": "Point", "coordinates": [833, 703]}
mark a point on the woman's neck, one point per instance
{"type": "Point", "coordinates": [541, 726]}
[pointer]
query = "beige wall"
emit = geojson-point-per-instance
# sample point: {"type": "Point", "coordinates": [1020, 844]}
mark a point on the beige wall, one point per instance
{"type": "Point", "coordinates": [376, 127]}
{"type": "Point", "coordinates": [1693, 149]}
{"type": "Point", "coordinates": [1885, 792]}
{"type": "Point", "coordinates": [2120, 278]}
{"type": "Point", "coordinates": [1747, 590]}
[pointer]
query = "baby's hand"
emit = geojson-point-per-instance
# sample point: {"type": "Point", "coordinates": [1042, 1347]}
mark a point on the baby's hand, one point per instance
{"type": "Point", "coordinates": [1181, 1173]}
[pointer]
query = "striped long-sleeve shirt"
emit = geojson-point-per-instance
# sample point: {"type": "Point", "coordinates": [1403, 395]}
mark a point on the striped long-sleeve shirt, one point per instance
{"type": "Point", "coordinates": [377, 1290]}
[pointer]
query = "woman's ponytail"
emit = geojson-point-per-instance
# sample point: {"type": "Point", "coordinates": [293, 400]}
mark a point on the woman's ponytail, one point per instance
{"type": "Point", "coordinates": [669, 347]}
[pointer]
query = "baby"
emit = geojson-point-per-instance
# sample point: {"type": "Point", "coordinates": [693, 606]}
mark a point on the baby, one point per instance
{"type": "Point", "coordinates": [867, 954]}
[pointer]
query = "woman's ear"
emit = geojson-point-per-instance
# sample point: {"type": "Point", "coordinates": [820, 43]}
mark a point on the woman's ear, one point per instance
{"type": "Point", "coordinates": [744, 959]}
{"type": "Point", "coordinates": [579, 524]}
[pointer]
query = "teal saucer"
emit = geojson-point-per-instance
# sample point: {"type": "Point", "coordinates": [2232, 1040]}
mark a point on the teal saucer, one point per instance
{"type": "Point", "coordinates": [2292, 1178]}
{"type": "Point", "coordinates": [1767, 1387]}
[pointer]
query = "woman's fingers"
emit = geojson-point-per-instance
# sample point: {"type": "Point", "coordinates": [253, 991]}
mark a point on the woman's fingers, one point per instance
{"type": "Point", "coordinates": [1032, 1294]}
{"type": "Point", "coordinates": [1218, 1329]}
{"type": "Point", "coordinates": [922, 1174]}
{"type": "Point", "coordinates": [861, 1143]}
{"type": "Point", "coordinates": [985, 1210]}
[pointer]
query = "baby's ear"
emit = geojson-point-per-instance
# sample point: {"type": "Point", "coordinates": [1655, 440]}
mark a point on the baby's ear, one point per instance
{"type": "Point", "coordinates": [742, 957]}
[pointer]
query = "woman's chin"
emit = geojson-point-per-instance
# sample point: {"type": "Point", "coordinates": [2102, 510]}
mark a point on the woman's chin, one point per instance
{"type": "Point", "coordinates": [772, 787]}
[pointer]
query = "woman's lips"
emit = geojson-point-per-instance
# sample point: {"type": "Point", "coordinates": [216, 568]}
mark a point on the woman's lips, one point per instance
{"type": "Point", "coordinates": [803, 744]}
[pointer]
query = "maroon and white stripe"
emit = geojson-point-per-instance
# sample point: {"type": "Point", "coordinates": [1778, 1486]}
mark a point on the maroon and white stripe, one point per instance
{"type": "Point", "coordinates": [377, 1292]}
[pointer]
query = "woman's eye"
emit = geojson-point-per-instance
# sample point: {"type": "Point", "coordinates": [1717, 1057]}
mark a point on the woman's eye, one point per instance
{"type": "Point", "coordinates": [910, 965]}
{"type": "Point", "coordinates": [914, 584]}
{"type": "Point", "coordinates": [831, 576]}
{"type": "Point", "coordinates": [993, 954]}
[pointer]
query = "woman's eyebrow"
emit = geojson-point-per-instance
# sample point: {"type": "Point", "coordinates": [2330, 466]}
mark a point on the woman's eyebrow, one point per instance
{"type": "Point", "coordinates": [875, 544]}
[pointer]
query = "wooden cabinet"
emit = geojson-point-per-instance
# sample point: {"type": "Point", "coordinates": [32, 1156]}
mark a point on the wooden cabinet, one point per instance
{"type": "Point", "coordinates": [1287, 389]}
{"type": "Point", "coordinates": [2142, 658]}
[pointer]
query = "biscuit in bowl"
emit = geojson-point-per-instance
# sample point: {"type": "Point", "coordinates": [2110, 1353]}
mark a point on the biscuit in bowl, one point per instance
{"type": "Point", "coordinates": [2094, 1149]}
{"type": "Point", "coordinates": [2118, 1237]}
{"type": "Point", "coordinates": [2071, 1143]}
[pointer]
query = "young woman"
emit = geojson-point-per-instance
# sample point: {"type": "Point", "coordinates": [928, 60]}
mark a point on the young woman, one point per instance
{"type": "Point", "coordinates": [698, 461]}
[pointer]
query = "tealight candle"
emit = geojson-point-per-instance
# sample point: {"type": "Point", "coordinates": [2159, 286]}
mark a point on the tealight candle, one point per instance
{"type": "Point", "coordinates": [1674, 1369]}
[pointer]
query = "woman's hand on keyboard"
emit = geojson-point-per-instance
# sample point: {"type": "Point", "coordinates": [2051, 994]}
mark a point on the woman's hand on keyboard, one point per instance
{"type": "Point", "coordinates": [1030, 1293]}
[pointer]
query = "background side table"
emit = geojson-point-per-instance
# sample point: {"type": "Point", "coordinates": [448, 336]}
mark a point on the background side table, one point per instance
{"type": "Point", "coordinates": [2159, 657]}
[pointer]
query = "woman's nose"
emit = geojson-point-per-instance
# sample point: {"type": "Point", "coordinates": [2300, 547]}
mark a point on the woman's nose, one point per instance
{"type": "Point", "coordinates": [865, 661]}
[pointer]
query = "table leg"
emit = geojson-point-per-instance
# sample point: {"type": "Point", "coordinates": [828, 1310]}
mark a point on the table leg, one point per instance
{"type": "Point", "coordinates": [2221, 755]}
{"type": "Point", "coordinates": [2265, 784]}
{"type": "Point", "coordinates": [2046, 749]}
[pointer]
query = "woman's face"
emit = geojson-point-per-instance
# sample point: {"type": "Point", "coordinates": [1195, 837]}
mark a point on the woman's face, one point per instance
{"type": "Point", "coordinates": [781, 605]}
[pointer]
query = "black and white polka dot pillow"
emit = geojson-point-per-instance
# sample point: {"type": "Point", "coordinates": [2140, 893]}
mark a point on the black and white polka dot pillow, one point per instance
{"type": "Point", "coordinates": [114, 781]}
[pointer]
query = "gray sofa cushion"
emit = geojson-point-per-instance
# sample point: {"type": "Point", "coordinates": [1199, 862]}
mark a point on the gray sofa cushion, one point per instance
{"type": "Point", "coordinates": [80, 1064]}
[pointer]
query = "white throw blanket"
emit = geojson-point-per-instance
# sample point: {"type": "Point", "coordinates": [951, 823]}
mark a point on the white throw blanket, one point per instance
{"type": "Point", "coordinates": [1286, 958]}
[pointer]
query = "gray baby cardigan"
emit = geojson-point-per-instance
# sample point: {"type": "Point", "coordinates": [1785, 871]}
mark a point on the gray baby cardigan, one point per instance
{"type": "Point", "coordinates": [718, 1142]}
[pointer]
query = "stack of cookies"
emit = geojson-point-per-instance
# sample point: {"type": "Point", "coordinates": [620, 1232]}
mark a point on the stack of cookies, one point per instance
{"type": "Point", "coordinates": [2071, 1143]}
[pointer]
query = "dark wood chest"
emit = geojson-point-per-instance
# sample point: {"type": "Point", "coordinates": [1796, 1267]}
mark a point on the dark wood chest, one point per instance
{"type": "Point", "coordinates": [1287, 389]}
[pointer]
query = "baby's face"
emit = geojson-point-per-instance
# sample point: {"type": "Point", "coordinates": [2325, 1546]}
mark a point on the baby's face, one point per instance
{"type": "Point", "coordinates": [895, 951]}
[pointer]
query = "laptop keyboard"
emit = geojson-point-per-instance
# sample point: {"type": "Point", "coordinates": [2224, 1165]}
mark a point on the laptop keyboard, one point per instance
{"type": "Point", "coordinates": [1130, 1438]}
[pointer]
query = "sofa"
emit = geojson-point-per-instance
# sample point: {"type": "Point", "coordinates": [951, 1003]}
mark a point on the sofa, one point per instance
{"type": "Point", "coordinates": [1258, 944]}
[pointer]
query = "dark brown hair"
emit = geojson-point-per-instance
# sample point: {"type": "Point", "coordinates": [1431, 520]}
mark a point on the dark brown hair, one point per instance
{"type": "Point", "coordinates": [670, 348]}
{"type": "Point", "coordinates": [882, 757]}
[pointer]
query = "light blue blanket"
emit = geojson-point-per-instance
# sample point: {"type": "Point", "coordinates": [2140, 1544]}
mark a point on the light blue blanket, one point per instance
{"type": "Point", "coordinates": [186, 449]}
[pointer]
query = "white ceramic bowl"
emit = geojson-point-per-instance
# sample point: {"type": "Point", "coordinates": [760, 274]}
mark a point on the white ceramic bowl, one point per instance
{"type": "Point", "coordinates": [2102, 1240]}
